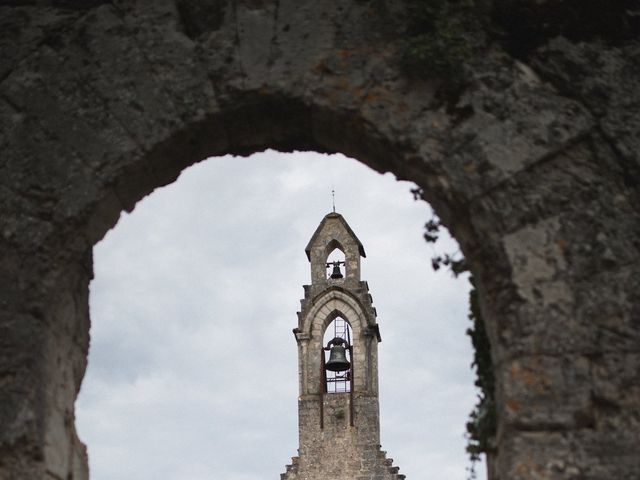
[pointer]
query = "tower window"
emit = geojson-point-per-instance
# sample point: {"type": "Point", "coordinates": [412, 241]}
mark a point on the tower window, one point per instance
{"type": "Point", "coordinates": [338, 356]}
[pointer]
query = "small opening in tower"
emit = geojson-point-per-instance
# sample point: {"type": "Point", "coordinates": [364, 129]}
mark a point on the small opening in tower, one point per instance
{"type": "Point", "coordinates": [336, 266]}
{"type": "Point", "coordinates": [338, 356]}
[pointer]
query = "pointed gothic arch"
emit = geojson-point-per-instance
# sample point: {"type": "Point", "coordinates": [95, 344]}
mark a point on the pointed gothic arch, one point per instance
{"type": "Point", "coordinates": [335, 260]}
{"type": "Point", "coordinates": [338, 381]}
{"type": "Point", "coordinates": [333, 245]}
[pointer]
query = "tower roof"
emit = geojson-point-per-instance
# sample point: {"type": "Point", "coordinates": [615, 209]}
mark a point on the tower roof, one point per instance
{"type": "Point", "coordinates": [333, 215]}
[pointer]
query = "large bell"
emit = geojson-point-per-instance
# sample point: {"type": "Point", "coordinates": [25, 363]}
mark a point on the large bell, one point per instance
{"type": "Point", "coordinates": [336, 271]}
{"type": "Point", "coordinates": [337, 358]}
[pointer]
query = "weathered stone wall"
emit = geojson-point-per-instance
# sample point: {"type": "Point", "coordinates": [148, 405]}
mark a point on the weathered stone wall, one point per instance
{"type": "Point", "coordinates": [533, 165]}
{"type": "Point", "coordinates": [340, 451]}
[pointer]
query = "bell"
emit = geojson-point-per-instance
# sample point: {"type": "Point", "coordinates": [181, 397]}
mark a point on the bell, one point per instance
{"type": "Point", "coordinates": [336, 271]}
{"type": "Point", "coordinates": [337, 359]}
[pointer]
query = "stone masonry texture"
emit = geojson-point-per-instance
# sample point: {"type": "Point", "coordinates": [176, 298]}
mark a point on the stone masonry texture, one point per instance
{"type": "Point", "coordinates": [532, 161]}
{"type": "Point", "coordinates": [331, 444]}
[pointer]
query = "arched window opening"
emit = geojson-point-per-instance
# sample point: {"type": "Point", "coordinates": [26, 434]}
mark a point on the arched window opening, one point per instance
{"type": "Point", "coordinates": [336, 266]}
{"type": "Point", "coordinates": [338, 357]}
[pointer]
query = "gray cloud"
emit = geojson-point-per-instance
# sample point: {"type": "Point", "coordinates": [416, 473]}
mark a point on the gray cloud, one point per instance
{"type": "Point", "coordinates": [193, 367]}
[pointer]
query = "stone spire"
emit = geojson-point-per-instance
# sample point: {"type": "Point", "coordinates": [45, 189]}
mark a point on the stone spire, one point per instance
{"type": "Point", "coordinates": [338, 412]}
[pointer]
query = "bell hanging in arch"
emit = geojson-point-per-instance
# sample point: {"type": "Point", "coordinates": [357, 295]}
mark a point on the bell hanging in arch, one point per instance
{"type": "Point", "coordinates": [336, 271]}
{"type": "Point", "coordinates": [337, 356]}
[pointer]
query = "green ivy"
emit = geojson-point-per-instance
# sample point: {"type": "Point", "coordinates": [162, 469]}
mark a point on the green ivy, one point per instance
{"type": "Point", "coordinates": [442, 37]}
{"type": "Point", "coordinates": [481, 427]}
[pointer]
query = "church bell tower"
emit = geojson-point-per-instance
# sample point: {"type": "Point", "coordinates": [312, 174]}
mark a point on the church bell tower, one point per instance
{"type": "Point", "coordinates": [338, 336]}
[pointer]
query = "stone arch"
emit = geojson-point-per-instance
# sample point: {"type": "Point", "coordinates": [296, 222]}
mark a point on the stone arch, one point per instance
{"type": "Point", "coordinates": [324, 309]}
{"type": "Point", "coordinates": [330, 305]}
{"type": "Point", "coordinates": [333, 245]}
{"type": "Point", "coordinates": [103, 103]}
{"type": "Point", "coordinates": [332, 316]}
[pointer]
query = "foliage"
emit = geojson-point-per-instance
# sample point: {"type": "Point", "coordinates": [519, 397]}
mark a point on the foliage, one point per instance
{"type": "Point", "coordinates": [481, 426]}
{"type": "Point", "coordinates": [456, 265]}
{"type": "Point", "coordinates": [442, 37]}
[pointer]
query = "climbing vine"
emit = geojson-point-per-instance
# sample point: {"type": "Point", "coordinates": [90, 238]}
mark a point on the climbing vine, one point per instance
{"type": "Point", "coordinates": [481, 424]}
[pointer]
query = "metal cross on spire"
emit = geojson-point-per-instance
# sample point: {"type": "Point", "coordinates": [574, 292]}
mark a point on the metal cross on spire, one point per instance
{"type": "Point", "coordinates": [333, 199]}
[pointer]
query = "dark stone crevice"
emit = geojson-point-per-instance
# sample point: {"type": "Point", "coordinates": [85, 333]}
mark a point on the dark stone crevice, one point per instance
{"type": "Point", "coordinates": [200, 17]}
{"type": "Point", "coordinates": [528, 24]}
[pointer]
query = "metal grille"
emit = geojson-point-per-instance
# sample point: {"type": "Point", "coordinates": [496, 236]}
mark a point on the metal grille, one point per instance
{"type": "Point", "coordinates": [339, 382]}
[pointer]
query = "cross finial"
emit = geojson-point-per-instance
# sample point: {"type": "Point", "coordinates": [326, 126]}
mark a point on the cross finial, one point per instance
{"type": "Point", "coordinates": [333, 199]}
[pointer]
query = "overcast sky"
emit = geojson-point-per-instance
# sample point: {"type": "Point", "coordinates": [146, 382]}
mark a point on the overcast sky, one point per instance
{"type": "Point", "coordinates": [193, 367]}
